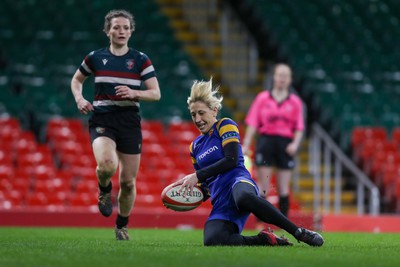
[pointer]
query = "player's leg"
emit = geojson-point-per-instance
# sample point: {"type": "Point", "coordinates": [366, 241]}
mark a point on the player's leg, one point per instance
{"type": "Point", "coordinates": [129, 167]}
{"type": "Point", "coordinates": [104, 150]}
{"type": "Point", "coordinates": [226, 233]}
{"type": "Point", "coordinates": [247, 200]}
{"type": "Point", "coordinates": [264, 159]}
{"type": "Point", "coordinates": [285, 165]}
{"type": "Point", "coordinates": [263, 179]}
{"type": "Point", "coordinates": [283, 181]}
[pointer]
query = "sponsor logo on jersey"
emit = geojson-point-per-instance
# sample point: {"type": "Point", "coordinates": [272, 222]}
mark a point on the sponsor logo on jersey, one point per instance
{"type": "Point", "coordinates": [104, 61]}
{"type": "Point", "coordinates": [208, 151]}
{"type": "Point", "coordinates": [130, 63]}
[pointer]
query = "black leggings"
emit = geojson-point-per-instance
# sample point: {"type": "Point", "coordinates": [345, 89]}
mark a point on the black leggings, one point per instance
{"type": "Point", "coordinates": [226, 233]}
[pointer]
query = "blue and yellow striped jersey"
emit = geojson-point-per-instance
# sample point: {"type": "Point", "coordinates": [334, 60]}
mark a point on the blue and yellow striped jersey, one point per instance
{"type": "Point", "coordinates": [207, 149]}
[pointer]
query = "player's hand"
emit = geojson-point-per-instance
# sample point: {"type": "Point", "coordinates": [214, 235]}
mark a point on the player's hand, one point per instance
{"type": "Point", "coordinates": [188, 182]}
{"type": "Point", "coordinates": [247, 151]}
{"type": "Point", "coordinates": [84, 106]}
{"type": "Point", "coordinates": [291, 148]}
{"type": "Point", "coordinates": [125, 92]}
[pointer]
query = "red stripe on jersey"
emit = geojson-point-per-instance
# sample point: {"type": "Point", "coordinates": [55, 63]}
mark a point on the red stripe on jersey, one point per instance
{"type": "Point", "coordinates": [88, 63]}
{"type": "Point", "coordinates": [107, 97]}
{"type": "Point", "coordinates": [146, 64]}
{"type": "Point", "coordinates": [110, 97]}
{"type": "Point", "coordinates": [117, 74]}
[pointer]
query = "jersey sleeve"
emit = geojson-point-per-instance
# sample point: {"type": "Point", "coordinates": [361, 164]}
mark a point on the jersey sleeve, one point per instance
{"type": "Point", "coordinates": [87, 67]}
{"type": "Point", "coordinates": [147, 71]}
{"type": "Point", "coordinates": [228, 131]}
{"type": "Point", "coordinates": [252, 115]}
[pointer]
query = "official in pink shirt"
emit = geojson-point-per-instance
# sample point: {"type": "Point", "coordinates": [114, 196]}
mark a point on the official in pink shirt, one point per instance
{"type": "Point", "coordinates": [277, 117]}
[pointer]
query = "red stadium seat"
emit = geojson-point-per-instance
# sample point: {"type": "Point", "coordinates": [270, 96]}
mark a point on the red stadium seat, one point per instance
{"type": "Point", "coordinates": [378, 161]}
{"type": "Point", "coordinates": [26, 143]}
{"type": "Point", "coordinates": [65, 176]}
{"type": "Point", "coordinates": [57, 198]}
{"type": "Point", "coordinates": [6, 171]}
{"type": "Point", "coordinates": [5, 158]}
{"type": "Point", "coordinates": [43, 172]}
{"type": "Point", "coordinates": [396, 135]}
{"type": "Point", "coordinates": [148, 201]}
{"type": "Point", "coordinates": [87, 187]}
{"type": "Point", "coordinates": [36, 199]}
{"type": "Point", "coordinates": [83, 200]}
{"type": "Point", "coordinates": [21, 185]}
{"type": "Point", "coordinates": [361, 134]}
{"type": "Point", "coordinates": [10, 199]}
{"type": "Point", "coordinates": [153, 126]}
{"type": "Point", "coordinates": [5, 185]}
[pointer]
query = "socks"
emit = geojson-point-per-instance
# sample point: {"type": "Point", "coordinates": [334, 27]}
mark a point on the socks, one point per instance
{"type": "Point", "coordinates": [106, 189]}
{"type": "Point", "coordinates": [284, 205]}
{"type": "Point", "coordinates": [122, 221]}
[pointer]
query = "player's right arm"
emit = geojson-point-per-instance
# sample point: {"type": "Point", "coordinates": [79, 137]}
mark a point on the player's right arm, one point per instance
{"type": "Point", "coordinates": [83, 105]}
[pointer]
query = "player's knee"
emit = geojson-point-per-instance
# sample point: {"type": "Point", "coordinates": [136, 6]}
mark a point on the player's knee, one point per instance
{"type": "Point", "coordinates": [244, 200]}
{"type": "Point", "coordinates": [128, 186]}
{"type": "Point", "coordinates": [106, 168]}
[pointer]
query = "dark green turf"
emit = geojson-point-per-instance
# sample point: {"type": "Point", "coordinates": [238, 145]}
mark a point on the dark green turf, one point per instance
{"type": "Point", "coordinates": [96, 247]}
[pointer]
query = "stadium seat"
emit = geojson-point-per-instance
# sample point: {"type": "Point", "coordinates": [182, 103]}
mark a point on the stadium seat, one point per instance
{"type": "Point", "coordinates": [83, 200]}
{"type": "Point", "coordinates": [396, 135]}
{"type": "Point", "coordinates": [5, 157]}
{"type": "Point", "coordinates": [85, 186]}
{"type": "Point", "coordinates": [147, 201]}
{"type": "Point", "coordinates": [6, 171]}
{"type": "Point", "coordinates": [5, 185]}
{"type": "Point", "coordinates": [10, 199]}
{"type": "Point", "coordinates": [153, 126]}
{"type": "Point", "coordinates": [36, 200]}
{"type": "Point", "coordinates": [58, 199]}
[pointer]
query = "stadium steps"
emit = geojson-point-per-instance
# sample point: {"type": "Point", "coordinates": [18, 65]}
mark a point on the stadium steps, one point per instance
{"type": "Point", "coordinates": [189, 39]}
{"type": "Point", "coordinates": [305, 194]}
{"type": "Point", "coordinates": [211, 65]}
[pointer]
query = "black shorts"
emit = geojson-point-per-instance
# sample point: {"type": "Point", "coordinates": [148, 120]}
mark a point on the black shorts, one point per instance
{"type": "Point", "coordinates": [271, 151]}
{"type": "Point", "coordinates": [123, 127]}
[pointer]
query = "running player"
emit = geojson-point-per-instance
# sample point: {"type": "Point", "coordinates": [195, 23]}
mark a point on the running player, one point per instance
{"type": "Point", "coordinates": [218, 160]}
{"type": "Point", "coordinates": [114, 126]}
{"type": "Point", "coordinates": [277, 115]}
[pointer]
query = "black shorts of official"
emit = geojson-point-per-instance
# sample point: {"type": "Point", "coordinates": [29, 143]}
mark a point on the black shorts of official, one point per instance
{"type": "Point", "coordinates": [122, 126]}
{"type": "Point", "coordinates": [271, 151]}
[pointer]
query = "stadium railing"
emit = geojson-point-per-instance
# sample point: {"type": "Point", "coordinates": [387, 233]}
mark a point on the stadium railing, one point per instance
{"type": "Point", "coordinates": [332, 161]}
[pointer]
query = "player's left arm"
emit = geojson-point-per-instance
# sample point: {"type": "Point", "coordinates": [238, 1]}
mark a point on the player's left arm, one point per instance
{"type": "Point", "coordinates": [152, 92]}
{"type": "Point", "coordinates": [293, 146]}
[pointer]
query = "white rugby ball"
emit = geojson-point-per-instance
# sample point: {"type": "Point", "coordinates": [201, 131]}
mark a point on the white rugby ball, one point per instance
{"type": "Point", "coordinates": [176, 201]}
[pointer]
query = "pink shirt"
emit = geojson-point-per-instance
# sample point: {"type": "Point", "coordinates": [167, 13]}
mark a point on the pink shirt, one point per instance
{"type": "Point", "coordinates": [273, 118]}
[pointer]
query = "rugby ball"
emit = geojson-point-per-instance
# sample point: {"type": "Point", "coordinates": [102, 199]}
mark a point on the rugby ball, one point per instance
{"type": "Point", "coordinates": [176, 201]}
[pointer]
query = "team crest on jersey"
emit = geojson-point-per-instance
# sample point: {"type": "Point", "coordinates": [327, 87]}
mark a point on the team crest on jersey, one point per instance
{"type": "Point", "coordinates": [130, 63]}
{"type": "Point", "coordinates": [211, 132]}
{"type": "Point", "coordinates": [100, 130]}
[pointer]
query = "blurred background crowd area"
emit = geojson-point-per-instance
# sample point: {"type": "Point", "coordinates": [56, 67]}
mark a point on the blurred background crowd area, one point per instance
{"type": "Point", "coordinates": [344, 56]}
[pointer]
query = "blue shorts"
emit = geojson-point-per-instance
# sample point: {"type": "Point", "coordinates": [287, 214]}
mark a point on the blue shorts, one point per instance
{"type": "Point", "coordinates": [224, 206]}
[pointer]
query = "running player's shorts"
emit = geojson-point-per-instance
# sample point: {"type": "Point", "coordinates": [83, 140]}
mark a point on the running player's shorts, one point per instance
{"type": "Point", "coordinates": [122, 126]}
{"type": "Point", "coordinates": [224, 206]}
{"type": "Point", "coordinates": [271, 151]}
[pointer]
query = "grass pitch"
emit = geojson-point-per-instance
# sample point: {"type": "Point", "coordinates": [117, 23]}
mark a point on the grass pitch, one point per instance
{"type": "Point", "coordinates": [87, 247]}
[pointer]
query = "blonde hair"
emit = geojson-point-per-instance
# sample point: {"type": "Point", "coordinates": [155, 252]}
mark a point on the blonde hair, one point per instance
{"type": "Point", "coordinates": [115, 13]}
{"type": "Point", "coordinates": [204, 92]}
